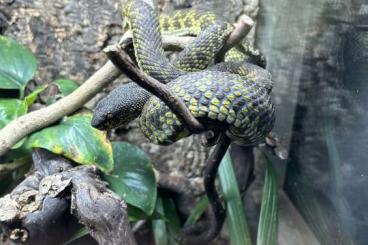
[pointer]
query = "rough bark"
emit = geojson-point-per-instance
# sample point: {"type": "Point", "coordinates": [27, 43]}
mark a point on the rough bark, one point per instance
{"type": "Point", "coordinates": [38, 210]}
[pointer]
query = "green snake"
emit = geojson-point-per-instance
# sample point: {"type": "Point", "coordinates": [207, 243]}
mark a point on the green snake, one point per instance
{"type": "Point", "coordinates": [231, 97]}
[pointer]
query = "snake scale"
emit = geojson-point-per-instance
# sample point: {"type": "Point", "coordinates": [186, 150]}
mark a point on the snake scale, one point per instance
{"type": "Point", "coordinates": [231, 97]}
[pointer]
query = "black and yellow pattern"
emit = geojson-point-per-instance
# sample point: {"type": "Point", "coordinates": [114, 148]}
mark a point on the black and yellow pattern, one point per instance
{"type": "Point", "coordinates": [219, 100]}
{"type": "Point", "coordinates": [232, 96]}
{"type": "Point", "coordinates": [186, 22]}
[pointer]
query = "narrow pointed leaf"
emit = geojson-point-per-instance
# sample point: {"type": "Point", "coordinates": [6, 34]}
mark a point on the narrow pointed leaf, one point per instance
{"type": "Point", "coordinates": [235, 216]}
{"type": "Point", "coordinates": [160, 232]}
{"type": "Point", "coordinates": [197, 211]}
{"type": "Point", "coordinates": [268, 220]}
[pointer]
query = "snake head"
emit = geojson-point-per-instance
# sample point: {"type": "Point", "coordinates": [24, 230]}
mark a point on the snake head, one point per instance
{"type": "Point", "coordinates": [103, 120]}
{"type": "Point", "coordinates": [121, 106]}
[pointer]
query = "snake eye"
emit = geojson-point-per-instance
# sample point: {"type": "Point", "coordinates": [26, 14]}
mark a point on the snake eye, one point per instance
{"type": "Point", "coordinates": [109, 115]}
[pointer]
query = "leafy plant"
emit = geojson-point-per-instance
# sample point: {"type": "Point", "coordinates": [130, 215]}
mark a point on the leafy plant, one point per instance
{"type": "Point", "coordinates": [76, 139]}
{"type": "Point", "coordinates": [268, 221]}
{"type": "Point", "coordinates": [126, 168]}
{"type": "Point", "coordinates": [17, 65]}
{"type": "Point", "coordinates": [132, 177]}
{"type": "Point", "coordinates": [235, 216]}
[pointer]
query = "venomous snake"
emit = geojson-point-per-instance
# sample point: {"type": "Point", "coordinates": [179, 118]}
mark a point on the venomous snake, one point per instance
{"type": "Point", "coordinates": [231, 97]}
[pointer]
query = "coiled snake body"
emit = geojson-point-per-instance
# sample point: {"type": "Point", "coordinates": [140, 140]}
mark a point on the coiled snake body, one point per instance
{"type": "Point", "coordinates": [231, 97]}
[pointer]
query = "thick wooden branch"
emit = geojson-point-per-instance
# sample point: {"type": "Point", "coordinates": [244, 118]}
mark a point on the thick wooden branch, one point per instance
{"type": "Point", "coordinates": [26, 124]}
{"type": "Point", "coordinates": [39, 209]}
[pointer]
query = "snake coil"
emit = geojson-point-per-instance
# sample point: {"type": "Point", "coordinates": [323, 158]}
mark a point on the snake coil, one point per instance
{"type": "Point", "coordinates": [232, 96]}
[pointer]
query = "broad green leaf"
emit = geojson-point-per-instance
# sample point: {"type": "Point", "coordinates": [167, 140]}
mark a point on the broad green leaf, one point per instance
{"type": "Point", "coordinates": [268, 220]}
{"type": "Point", "coordinates": [159, 227]}
{"type": "Point", "coordinates": [17, 65]}
{"type": "Point", "coordinates": [76, 139]}
{"type": "Point", "coordinates": [10, 109]}
{"type": "Point", "coordinates": [66, 86]}
{"type": "Point", "coordinates": [132, 177]}
{"type": "Point", "coordinates": [31, 98]}
{"type": "Point", "coordinates": [235, 216]}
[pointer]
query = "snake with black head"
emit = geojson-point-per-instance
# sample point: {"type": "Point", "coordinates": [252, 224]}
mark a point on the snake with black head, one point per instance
{"type": "Point", "coordinates": [232, 97]}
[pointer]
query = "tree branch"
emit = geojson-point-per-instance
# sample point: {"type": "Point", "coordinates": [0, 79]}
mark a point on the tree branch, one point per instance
{"type": "Point", "coordinates": [242, 28]}
{"type": "Point", "coordinates": [216, 213]}
{"type": "Point", "coordinates": [36, 120]}
{"type": "Point", "coordinates": [26, 124]}
{"type": "Point", "coordinates": [38, 210]}
{"type": "Point", "coordinates": [122, 60]}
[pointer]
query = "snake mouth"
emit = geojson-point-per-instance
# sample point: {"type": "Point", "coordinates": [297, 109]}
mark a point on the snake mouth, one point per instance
{"type": "Point", "coordinates": [98, 122]}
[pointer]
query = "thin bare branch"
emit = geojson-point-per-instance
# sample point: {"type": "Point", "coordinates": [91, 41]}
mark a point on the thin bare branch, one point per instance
{"type": "Point", "coordinates": [242, 28]}
{"type": "Point", "coordinates": [36, 120]}
{"type": "Point", "coordinates": [26, 124]}
{"type": "Point", "coordinates": [122, 60]}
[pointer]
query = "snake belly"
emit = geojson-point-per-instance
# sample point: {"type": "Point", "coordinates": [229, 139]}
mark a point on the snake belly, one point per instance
{"type": "Point", "coordinates": [221, 100]}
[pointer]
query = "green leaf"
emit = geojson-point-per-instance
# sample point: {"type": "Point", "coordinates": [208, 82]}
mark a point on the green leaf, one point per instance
{"type": "Point", "coordinates": [235, 216]}
{"type": "Point", "coordinates": [197, 212]}
{"type": "Point", "coordinates": [31, 98]}
{"type": "Point", "coordinates": [173, 220]}
{"type": "Point", "coordinates": [268, 220]}
{"type": "Point", "coordinates": [10, 109]}
{"type": "Point", "coordinates": [132, 177]}
{"type": "Point", "coordinates": [171, 215]}
{"type": "Point", "coordinates": [159, 226]}
{"type": "Point", "coordinates": [66, 86]}
{"type": "Point", "coordinates": [17, 65]}
{"type": "Point", "coordinates": [76, 139]}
